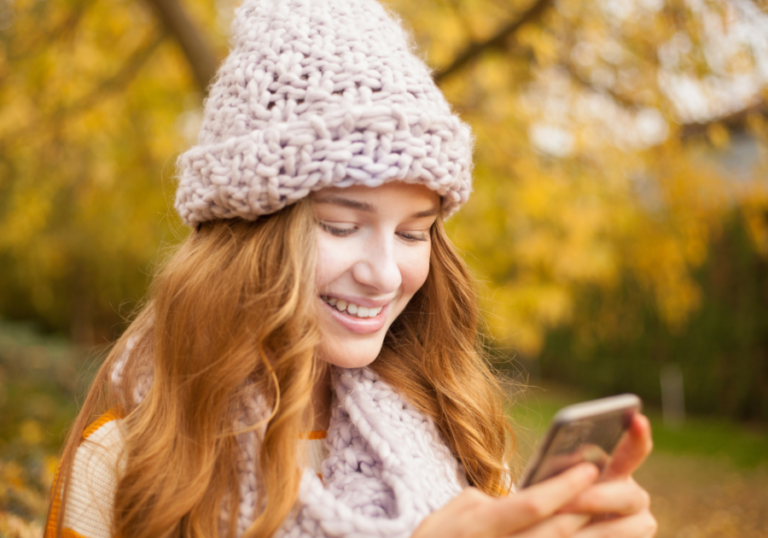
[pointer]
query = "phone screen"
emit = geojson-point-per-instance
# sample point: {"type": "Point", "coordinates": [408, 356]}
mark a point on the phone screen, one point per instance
{"type": "Point", "coordinates": [587, 432]}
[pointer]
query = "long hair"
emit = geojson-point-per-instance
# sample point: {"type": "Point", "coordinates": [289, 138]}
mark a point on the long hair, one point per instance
{"type": "Point", "coordinates": [234, 309]}
{"type": "Point", "coordinates": [433, 356]}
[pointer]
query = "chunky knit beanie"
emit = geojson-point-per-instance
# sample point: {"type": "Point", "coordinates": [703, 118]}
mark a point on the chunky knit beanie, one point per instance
{"type": "Point", "coordinates": [319, 93]}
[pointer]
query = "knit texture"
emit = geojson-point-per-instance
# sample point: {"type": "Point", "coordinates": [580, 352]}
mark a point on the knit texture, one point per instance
{"type": "Point", "coordinates": [319, 93]}
{"type": "Point", "coordinates": [387, 468]}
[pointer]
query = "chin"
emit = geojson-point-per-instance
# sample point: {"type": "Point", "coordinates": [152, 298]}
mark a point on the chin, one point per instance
{"type": "Point", "coordinates": [350, 354]}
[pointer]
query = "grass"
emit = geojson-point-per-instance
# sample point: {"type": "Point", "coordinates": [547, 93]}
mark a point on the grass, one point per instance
{"type": "Point", "coordinates": [708, 478]}
{"type": "Point", "coordinates": [39, 376]}
{"type": "Point", "coordinates": [743, 446]}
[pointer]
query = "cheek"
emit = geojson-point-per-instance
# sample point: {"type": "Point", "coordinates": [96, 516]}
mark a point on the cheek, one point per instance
{"type": "Point", "coordinates": [322, 267]}
{"type": "Point", "coordinates": [331, 262]}
{"type": "Point", "coordinates": [415, 270]}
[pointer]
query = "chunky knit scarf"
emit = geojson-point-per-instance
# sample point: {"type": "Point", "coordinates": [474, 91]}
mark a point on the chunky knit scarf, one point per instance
{"type": "Point", "coordinates": [388, 467]}
{"type": "Point", "coordinates": [387, 470]}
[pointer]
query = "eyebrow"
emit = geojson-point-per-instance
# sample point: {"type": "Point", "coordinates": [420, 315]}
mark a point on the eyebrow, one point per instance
{"type": "Point", "coordinates": [426, 213]}
{"type": "Point", "coordinates": [346, 202]}
{"type": "Point", "coordinates": [369, 208]}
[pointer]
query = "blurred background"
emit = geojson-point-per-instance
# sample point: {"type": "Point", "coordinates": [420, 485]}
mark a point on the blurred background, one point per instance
{"type": "Point", "coordinates": [618, 229]}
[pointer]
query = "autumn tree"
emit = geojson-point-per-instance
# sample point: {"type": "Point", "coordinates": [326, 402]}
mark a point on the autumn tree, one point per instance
{"type": "Point", "coordinates": [615, 138]}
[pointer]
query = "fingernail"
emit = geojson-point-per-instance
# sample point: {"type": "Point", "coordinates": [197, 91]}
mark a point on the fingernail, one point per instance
{"type": "Point", "coordinates": [590, 470]}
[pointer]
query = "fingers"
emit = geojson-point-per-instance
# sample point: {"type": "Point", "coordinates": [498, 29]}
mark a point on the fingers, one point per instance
{"type": "Point", "coordinates": [640, 525]}
{"type": "Point", "coordinates": [559, 526]}
{"type": "Point", "coordinates": [632, 451]}
{"type": "Point", "coordinates": [622, 497]}
{"type": "Point", "coordinates": [473, 514]}
{"type": "Point", "coordinates": [538, 502]}
{"type": "Point", "coordinates": [463, 516]}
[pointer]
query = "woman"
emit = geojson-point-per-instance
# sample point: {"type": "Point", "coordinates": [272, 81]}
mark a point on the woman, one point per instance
{"type": "Point", "coordinates": [307, 363]}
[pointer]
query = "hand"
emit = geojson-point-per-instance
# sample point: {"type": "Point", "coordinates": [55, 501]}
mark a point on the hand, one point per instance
{"type": "Point", "coordinates": [632, 450]}
{"type": "Point", "coordinates": [560, 507]}
{"type": "Point", "coordinates": [617, 494]}
{"type": "Point", "coordinates": [622, 508]}
{"type": "Point", "coordinates": [532, 513]}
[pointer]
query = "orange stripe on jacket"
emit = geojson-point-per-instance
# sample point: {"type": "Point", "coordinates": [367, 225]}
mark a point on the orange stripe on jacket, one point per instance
{"type": "Point", "coordinates": [317, 434]}
{"type": "Point", "coordinates": [50, 526]}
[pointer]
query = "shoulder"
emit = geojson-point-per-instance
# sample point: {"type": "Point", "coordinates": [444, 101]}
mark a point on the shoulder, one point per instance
{"type": "Point", "coordinates": [96, 468]}
{"type": "Point", "coordinates": [98, 460]}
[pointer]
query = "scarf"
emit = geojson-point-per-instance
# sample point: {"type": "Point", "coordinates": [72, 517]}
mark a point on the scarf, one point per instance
{"type": "Point", "coordinates": [387, 469]}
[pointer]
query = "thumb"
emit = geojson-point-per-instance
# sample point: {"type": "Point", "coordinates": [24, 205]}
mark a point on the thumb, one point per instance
{"type": "Point", "coordinates": [632, 450]}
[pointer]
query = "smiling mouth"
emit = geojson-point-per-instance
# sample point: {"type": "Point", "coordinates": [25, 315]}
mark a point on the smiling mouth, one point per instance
{"type": "Point", "coordinates": [351, 308]}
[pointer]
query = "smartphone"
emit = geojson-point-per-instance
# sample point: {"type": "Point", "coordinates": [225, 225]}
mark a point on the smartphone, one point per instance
{"type": "Point", "coordinates": [588, 431]}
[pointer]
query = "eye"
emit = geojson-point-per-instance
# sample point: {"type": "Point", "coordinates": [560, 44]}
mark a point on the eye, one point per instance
{"type": "Point", "coordinates": [414, 236]}
{"type": "Point", "coordinates": [337, 231]}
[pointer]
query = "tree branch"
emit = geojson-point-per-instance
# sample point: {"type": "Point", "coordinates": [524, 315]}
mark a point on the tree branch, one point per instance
{"type": "Point", "coordinates": [475, 49]}
{"type": "Point", "coordinates": [113, 84]}
{"type": "Point", "coordinates": [130, 69]}
{"type": "Point", "coordinates": [582, 81]}
{"type": "Point", "coordinates": [735, 121]}
{"type": "Point", "coordinates": [118, 81]}
{"type": "Point", "coordinates": [17, 50]}
{"type": "Point", "coordinates": [198, 51]}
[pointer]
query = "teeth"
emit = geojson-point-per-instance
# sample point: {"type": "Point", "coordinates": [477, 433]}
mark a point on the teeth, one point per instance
{"type": "Point", "coordinates": [351, 308]}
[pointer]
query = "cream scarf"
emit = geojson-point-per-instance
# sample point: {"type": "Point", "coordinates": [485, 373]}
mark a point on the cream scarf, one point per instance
{"type": "Point", "coordinates": [387, 469]}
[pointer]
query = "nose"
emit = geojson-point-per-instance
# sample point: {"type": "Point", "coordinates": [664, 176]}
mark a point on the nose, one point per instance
{"type": "Point", "coordinates": [378, 268]}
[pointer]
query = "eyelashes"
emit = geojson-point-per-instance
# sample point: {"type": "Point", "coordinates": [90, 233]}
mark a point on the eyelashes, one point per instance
{"type": "Point", "coordinates": [414, 237]}
{"type": "Point", "coordinates": [338, 232]}
{"type": "Point", "coordinates": [344, 232]}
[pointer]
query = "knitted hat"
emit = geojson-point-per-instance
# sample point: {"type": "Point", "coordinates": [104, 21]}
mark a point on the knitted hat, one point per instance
{"type": "Point", "coordinates": [319, 93]}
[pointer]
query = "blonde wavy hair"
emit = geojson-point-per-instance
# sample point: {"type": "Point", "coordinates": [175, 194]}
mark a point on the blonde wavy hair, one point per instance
{"type": "Point", "coordinates": [234, 308]}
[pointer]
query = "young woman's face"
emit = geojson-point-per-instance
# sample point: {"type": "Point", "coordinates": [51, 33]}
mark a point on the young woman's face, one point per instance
{"type": "Point", "coordinates": [373, 255]}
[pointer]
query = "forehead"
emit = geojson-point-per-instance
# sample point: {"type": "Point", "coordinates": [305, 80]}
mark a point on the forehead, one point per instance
{"type": "Point", "coordinates": [391, 195]}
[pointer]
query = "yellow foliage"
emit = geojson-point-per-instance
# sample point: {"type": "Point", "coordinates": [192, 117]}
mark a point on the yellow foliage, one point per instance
{"type": "Point", "coordinates": [49, 470]}
{"type": "Point", "coordinates": [718, 135]}
{"type": "Point", "coordinates": [581, 177]}
{"type": "Point", "coordinates": [31, 432]}
{"type": "Point", "coordinates": [13, 526]}
{"type": "Point", "coordinates": [757, 224]}
{"type": "Point", "coordinates": [537, 226]}
{"type": "Point", "coordinates": [543, 44]}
